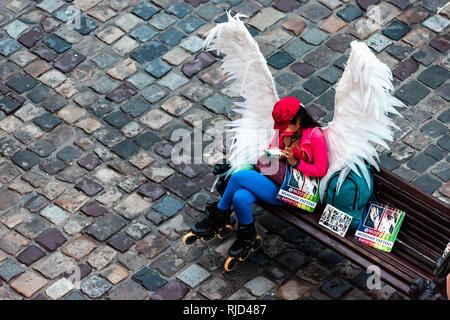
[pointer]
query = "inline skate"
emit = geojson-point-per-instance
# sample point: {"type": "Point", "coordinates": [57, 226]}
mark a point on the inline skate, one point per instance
{"type": "Point", "coordinates": [247, 241]}
{"type": "Point", "coordinates": [218, 223]}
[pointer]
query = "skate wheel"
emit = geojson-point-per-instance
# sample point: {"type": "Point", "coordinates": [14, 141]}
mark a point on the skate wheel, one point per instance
{"type": "Point", "coordinates": [244, 256]}
{"type": "Point", "coordinates": [208, 237]}
{"type": "Point", "coordinates": [225, 232]}
{"type": "Point", "coordinates": [257, 244]}
{"type": "Point", "coordinates": [189, 239]}
{"type": "Point", "coordinates": [230, 264]}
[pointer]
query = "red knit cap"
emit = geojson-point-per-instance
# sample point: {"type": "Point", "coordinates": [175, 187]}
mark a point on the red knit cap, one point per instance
{"type": "Point", "coordinates": [283, 111]}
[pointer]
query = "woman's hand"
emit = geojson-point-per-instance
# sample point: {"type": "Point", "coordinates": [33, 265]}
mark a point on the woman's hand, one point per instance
{"type": "Point", "coordinates": [289, 154]}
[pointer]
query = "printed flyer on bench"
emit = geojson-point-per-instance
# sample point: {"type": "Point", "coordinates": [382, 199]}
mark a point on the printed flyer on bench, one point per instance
{"type": "Point", "coordinates": [380, 226]}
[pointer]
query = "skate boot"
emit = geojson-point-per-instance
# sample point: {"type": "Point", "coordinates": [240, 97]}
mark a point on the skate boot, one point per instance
{"type": "Point", "coordinates": [218, 222]}
{"type": "Point", "coordinates": [247, 241]}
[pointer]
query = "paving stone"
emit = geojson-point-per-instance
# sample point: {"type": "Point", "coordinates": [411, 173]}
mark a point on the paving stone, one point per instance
{"type": "Point", "coordinates": [171, 37]}
{"type": "Point", "coordinates": [105, 227]}
{"type": "Point", "coordinates": [190, 24]}
{"type": "Point", "coordinates": [59, 289]}
{"type": "Point", "coordinates": [54, 265]}
{"type": "Point", "coordinates": [140, 80]}
{"type": "Point", "coordinates": [418, 37]}
{"type": "Point", "coordinates": [90, 188]}
{"type": "Point", "coordinates": [71, 200]}
{"type": "Point", "coordinates": [314, 273]}
{"type": "Point", "coordinates": [27, 284]}
{"type": "Point", "coordinates": [145, 10]}
{"type": "Point", "coordinates": [265, 18]}
{"type": "Point", "coordinates": [181, 185]}
{"type": "Point", "coordinates": [132, 260]}
{"type": "Point", "coordinates": [435, 152]}
{"type": "Point", "coordinates": [405, 69]}
{"type": "Point", "coordinates": [155, 217]}
{"type": "Point", "coordinates": [292, 260]}
{"type": "Point", "coordinates": [10, 269]}
{"type": "Point", "coordinates": [149, 279]}
{"type": "Point", "coordinates": [179, 9]}
{"type": "Point", "coordinates": [293, 289]}
{"type": "Point", "coordinates": [152, 245]}
{"type": "Point", "coordinates": [426, 55]}
{"type": "Point", "coordinates": [21, 83]}
{"type": "Point", "coordinates": [193, 275]}
{"type": "Point", "coordinates": [7, 293]}
{"type": "Point", "coordinates": [259, 285]}
{"type": "Point", "coordinates": [93, 209]}
{"type": "Point", "coordinates": [115, 273]}
{"type": "Point", "coordinates": [412, 92]}
{"type": "Point", "coordinates": [79, 247]}
{"type": "Point", "coordinates": [54, 214]}
{"type": "Point", "coordinates": [320, 57]}
{"type": "Point", "coordinates": [216, 288]}
{"type": "Point", "coordinates": [75, 224]}
{"type": "Point", "coordinates": [434, 76]}
{"type": "Point", "coordinates": [173, 290]}
{"type": "Point", "coordinates": [120, 94]}
{"type": "Point", "coordinates": [75, 295]}
{"type": "Point", "coordinates": [280, 60]}
{"type": "Point", "coordinates": [201, 61]}
{"type": "Point", "coordinates": [427, 183]}
{"type": "Point", "coordinates": [316, 86]}
{"type": "Point", "coordinates": [414, 15]}
{"type": "Point", "coordinates": [12, 219]}
{"type": "Point", "coordinates": [441, 43]}
{"type": "Point", "coordinates": [336, 287]}
{"type": "Point", "coordinates": [303, 96]}
{"type": "Point", "coordinates": [125, 149]}
{"type": "Point", "coordinates": [128, 290]}
{"type": "Point", "coordinates": [378, 42]}
{"type": "Point", "coordinates": [120, 242]}
{"type": "Point", "coordinates": [158, 68]}
{"type": "Point", "coordinates": [25, 159]}
{"type": "Point", "coordinates": [396, 30]}
{"type": "Point", "coordinates": [148, 52]}
{"type": "Point", "coordinates": [95, 286]}
{"type": "Point", "coordinates": [35, 203]}
{"type": "Point", "coordinates": [30, 255]}
{"type": "Point", "coordinates": [22, 57]}
{"type": "Point", "coordinates": [168, 265]}
{"type": "Point", "coordinates": [102, 258]}
{"type": "Point", "coordinates": [436, 23]}
{"type": "Point", "coordinates": [315, 12]}
{"type": "Point", "coordinates": [51, 239]}
{"type": "Point", "coordinates": [9, 105]}
{"type": "Point", "coordinates": [434, 129]}
{"type": "Point", "coordinates": [153, 94]}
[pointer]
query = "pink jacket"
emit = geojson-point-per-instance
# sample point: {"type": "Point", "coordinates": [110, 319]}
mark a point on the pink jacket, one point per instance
{"type": "Point", "coordinates": [314, 144]}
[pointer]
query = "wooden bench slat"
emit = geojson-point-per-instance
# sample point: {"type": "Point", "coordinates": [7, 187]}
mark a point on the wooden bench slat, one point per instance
{"type": "Point", "coordinates": [434, 228]}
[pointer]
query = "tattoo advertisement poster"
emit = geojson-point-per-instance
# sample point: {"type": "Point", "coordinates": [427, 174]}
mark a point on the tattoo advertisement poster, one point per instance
{"type": "Point", "coordinates": [335, 220]}
{"type": "Point", "coordinates": [299, 190]}
{"type": "Point", "coordinates": [380, 226]}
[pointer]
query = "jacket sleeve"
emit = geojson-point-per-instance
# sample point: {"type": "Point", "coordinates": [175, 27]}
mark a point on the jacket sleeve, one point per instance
{"type": "Point", "coordinates": [319, 155]}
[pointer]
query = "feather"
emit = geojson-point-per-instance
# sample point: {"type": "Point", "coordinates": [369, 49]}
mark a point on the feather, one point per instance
{"type": "Point", "coordinates": [362, 104]}
{"type": "Point", "coordinates": [244, 62]}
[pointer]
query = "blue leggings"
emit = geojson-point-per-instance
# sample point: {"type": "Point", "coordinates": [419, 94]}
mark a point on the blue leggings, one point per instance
{"type": "Point", "coordinates": [244, 188]}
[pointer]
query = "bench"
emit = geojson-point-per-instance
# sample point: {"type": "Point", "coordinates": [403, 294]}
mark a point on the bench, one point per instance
{"type": "Point", "coordinates": [423, 236]}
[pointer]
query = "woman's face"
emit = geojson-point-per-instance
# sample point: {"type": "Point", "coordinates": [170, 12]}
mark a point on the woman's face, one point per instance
{"type": "Point", "coordinates": [294, 127]}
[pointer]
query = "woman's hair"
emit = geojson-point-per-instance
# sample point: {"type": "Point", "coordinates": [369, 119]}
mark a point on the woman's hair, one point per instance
{"type": "Point", "coordinates": [306, 121]}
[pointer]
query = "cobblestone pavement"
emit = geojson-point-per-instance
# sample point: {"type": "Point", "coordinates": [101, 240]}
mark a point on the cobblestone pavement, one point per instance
{"type": "Point", "coordinates": [87, 111]}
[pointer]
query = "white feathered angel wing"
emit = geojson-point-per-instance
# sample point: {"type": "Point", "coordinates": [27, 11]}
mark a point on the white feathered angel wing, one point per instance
{"type": "Point", "coordinates": [362, 103]}
{"type": "Point", "coordinates": [244, 63]}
